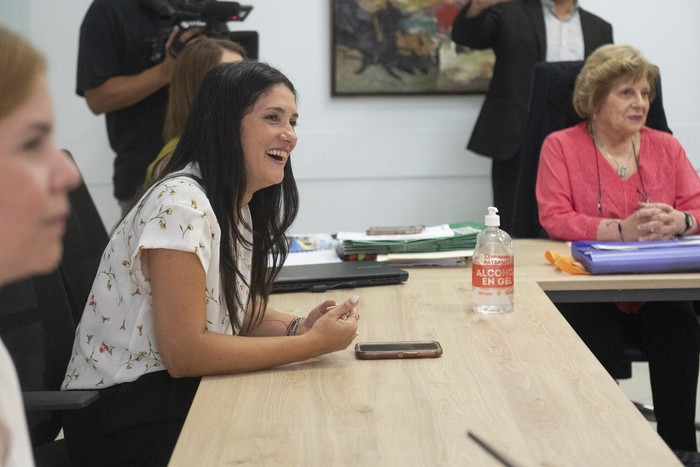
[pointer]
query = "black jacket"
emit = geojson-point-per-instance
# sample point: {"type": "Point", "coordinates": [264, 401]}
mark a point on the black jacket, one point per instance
{"type": "Point", "coordinates": [515, 30]}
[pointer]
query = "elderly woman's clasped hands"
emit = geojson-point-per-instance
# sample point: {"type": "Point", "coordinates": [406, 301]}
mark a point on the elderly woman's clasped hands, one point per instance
{"type": "Point", "coordinates": [653, 221]}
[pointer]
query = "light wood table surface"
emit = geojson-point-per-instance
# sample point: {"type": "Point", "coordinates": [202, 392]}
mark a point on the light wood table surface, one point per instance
{"type": "Point", "coordinates": [523, 381]}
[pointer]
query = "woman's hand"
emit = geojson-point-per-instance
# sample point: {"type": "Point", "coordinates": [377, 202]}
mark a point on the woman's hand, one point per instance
{"type": "Point", "coordinates": [314, 315]}
{"type": "Point", "coordinates": [653, 221]}
{"type": "Point", "coordinates": [336, 328]}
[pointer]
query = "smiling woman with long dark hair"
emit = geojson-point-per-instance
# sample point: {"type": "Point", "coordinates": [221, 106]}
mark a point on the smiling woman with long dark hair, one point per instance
{"type": "Point", "coordinates": [183, 286]}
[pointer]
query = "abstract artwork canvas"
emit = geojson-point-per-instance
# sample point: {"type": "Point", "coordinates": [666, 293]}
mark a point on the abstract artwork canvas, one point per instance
{"type": "Point", "coordinates": [394, 47]}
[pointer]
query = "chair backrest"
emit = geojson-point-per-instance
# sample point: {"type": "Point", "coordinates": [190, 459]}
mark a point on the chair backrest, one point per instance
{"type": "Point", "coordinates": [551, 109]}
{"type": "Point", "coordinates": [83, 245]}
{"type": "Point", "coordinates": [37, 327]}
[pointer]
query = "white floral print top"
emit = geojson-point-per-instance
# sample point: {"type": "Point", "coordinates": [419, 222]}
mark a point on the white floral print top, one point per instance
{"type": "Point", "coordinates": [115, 340]}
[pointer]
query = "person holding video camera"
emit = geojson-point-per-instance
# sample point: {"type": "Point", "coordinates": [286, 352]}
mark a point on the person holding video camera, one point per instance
{"type": "Point", "coordinates": [124, 68]}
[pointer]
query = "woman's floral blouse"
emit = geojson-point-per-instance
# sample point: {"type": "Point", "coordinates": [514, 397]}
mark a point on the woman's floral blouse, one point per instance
{"type": "Point", "coordinates": [115, 341]}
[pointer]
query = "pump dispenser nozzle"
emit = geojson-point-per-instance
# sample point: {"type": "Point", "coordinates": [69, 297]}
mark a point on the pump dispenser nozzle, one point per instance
{"type": "Point", "coordinates": [492, 219]}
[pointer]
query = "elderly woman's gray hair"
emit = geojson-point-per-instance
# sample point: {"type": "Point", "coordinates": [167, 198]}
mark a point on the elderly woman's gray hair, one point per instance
{"type": "Point", "coordinates": [603, 67]}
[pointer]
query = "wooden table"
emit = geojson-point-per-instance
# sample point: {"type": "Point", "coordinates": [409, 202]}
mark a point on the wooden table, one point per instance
{"type": "Point", "coordinates": [522, 381]}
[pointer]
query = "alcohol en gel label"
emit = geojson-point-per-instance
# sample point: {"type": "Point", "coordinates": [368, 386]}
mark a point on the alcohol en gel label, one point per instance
{"type": "Point", "coordinates": [492, 276]}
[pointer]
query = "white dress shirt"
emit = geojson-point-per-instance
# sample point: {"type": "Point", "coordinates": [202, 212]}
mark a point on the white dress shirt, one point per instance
{"type": "Point", "coordinates": [564, 36]}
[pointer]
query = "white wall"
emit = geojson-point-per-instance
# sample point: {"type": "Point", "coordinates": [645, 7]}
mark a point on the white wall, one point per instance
{"type": "Point", "coordinates": [366, 160]}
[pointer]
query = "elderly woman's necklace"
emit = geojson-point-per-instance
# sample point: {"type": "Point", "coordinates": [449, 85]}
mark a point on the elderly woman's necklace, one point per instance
{"type": "Point", "coordinates": [621, 169]}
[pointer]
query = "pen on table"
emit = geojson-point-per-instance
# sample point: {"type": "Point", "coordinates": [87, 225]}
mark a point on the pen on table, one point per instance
{"type": "Point", "coordinates": [488, 448]}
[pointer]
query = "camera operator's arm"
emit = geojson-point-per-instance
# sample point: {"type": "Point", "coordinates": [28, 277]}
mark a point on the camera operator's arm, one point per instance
{"type": "Point", "coordinates": [124, 91]}
{"type": "Point", "coordinates": [120, 92]}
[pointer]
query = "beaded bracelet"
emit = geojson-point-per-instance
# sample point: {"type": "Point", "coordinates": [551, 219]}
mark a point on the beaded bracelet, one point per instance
{"type": "Point", "coordinates": [292, 328]}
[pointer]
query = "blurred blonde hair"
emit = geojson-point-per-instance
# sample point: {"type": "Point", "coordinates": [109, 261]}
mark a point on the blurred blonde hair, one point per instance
{"type": "Point", "coordinates": [190, 67]}
{"type": "Point", "coordinates": [603, 67]}
{"type": "Point", "coordinates": [21, 66]}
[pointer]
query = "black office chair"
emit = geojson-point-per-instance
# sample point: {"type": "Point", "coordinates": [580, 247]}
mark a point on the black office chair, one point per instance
{"type": "Point", "coordinates": [36, 325]}
{"type": "Point", "coordinates": [38, 318]}
{"type": "Point", "coordinates": [551, 109]}
{"type": "Point", "coordinates": [83, 245]}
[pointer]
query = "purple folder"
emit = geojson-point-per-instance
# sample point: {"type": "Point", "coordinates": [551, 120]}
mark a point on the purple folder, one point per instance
{"type": "Point", "coordinates": [638, 257]}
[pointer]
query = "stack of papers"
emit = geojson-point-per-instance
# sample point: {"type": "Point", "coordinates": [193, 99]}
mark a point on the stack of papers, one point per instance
{"type": "Point", "coordinates": [438, 258]}
{"type": "Point", "coordinates": [301, 243]}
{"type": "Point", "coordinates": [436, 242]}
{"type": "Point", "coordinates": [317, 248]}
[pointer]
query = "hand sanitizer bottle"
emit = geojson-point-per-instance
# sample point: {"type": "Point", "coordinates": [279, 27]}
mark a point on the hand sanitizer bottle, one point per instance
{"type": "Point", "coordinates": [492, 268]}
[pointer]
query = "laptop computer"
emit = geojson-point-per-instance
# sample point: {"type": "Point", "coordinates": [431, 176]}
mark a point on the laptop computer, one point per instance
{"type": "Point", "coordinates": [345, 275]}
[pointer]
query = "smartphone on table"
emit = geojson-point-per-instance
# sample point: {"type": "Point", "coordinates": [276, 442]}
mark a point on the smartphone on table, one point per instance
{"type": "Point", "coordinates": [395, 230]}
{"type": "Point", "coordinates": [403, 349]}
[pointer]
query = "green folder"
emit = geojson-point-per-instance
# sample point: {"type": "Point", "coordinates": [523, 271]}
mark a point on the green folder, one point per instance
{"type": "Point", "coordinates": [463, 239]}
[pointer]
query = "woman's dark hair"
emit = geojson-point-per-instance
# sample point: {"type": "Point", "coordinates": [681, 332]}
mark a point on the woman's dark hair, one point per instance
{"type": "Point", "coordinates": [212, 138]}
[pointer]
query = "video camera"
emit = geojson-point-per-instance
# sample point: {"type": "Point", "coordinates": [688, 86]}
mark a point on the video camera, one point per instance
{"type": "Point", "coordinates": [210, 16]}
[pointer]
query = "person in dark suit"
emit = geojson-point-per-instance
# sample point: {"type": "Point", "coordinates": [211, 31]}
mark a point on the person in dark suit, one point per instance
{"type": "Point", "coordinates": [521, 33]}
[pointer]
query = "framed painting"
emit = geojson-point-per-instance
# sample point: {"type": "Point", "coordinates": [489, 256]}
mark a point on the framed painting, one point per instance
{"type": "Point", "coordinates": [398, 47]}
